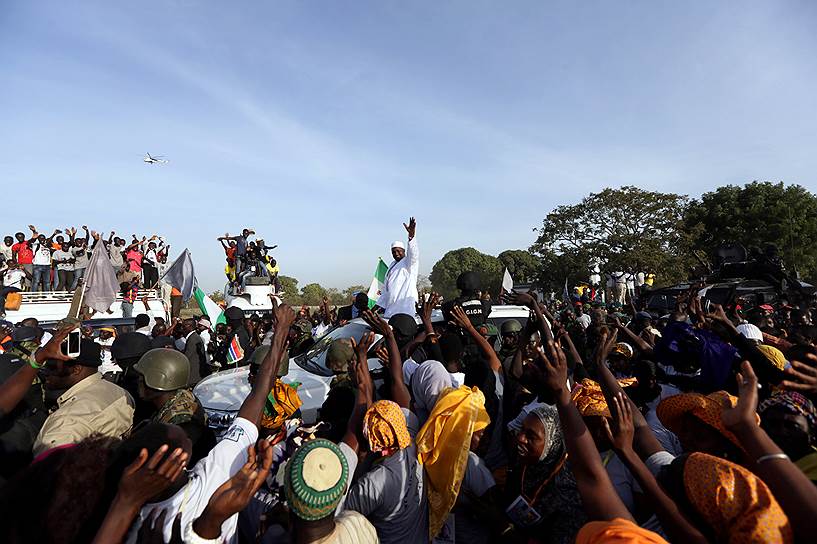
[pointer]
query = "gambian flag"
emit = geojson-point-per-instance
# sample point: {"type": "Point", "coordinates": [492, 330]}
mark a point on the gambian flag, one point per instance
{"type": "Point", "coordinates": [208, 307]}
{"type": "Point", "coordinates": [234, 352]}
{"type": "Point", "coordinates": [377, 282]}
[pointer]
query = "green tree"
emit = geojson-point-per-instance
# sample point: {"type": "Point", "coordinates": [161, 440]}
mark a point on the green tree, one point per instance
{"type": "Point", "coordinates": [336, 298]}
{"type": "Point", "coordinates": [522, 265]}
{"type": "Point", "coordinates": [289, 285]}
{"type": "Point", "coordinates": [626, 229]}
{"type": "Point", "coordinates": [217, 296]}
{"type": "Point", "coordinates": [467, 259]}
{"type": "Point", "coordinates": [349, 292]}
{"type": "Point", "coordinates": [312, 294]}
{"type": "Point", "coordinates": [758, 214]}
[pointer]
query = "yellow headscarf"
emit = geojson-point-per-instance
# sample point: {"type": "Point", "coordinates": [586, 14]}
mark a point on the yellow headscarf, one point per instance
{"type": "Point", "coordinates": [774, 355]}
{"type": "Point", "coordinates": [590, 399]}
{"type": "Point", "coordinates": [734, 502]}
{"type": "Point", "coordinates": [384, 426]}
{"type": "Point", "coordinates": [282, 402]}
{"type": "Point", "coordinates": [442, 448]}
{"type": "Point", "coordinates": [618, 531]}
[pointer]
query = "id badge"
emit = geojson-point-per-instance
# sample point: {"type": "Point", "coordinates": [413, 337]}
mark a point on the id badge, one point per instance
{"type": "Point", "coordinates": [521, 513]}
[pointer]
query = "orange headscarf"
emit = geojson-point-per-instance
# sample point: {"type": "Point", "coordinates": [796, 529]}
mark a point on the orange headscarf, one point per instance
{"type": "Point", "coordinates": [589, 397]}
{"type": "Point", "coordinates": [734, 502]}
{"type": "Point", "coordinates": [618, 531]}
{"type": "Point", "coordinates": [384, 426]}
{"type": "Point", "coordinates": [282, 402]}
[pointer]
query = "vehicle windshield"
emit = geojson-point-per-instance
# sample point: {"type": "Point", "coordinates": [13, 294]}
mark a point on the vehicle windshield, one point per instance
{"type": "Point", "coordinates": [314, 360]}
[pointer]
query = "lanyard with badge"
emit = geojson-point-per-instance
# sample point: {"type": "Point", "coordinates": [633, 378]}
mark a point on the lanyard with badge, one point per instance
{"type": "Point", "coordinates": [521, 511]}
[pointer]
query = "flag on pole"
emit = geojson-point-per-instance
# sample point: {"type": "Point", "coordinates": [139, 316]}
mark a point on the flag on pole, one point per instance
{"type": "Point", "coordinates": [100, 286]}
{"type": "Point", "coordinates": [377, 282]}
{"type": "Point", "coordinates": [209, 308]}
{"type": "Point", "coordinates": [182, 276]}
{"type": "Point", "coordinates": [507, 285]}
{"type": "Point", "coordinates": [234, 352]}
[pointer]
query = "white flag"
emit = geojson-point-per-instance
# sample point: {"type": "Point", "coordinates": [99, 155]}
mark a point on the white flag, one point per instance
{"type": "Point", "coordinates": [100, 286]}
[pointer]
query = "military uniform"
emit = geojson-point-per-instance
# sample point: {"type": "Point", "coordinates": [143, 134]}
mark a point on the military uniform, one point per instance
{"type": "Point", "coordinates": [182, 408]}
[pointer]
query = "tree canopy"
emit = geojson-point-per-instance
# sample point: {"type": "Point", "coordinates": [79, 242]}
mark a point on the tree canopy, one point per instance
{"type": "Point", "coordinates": [627, 229]}
{"type": "Point", "coordinates": [523, 266]}
{"type": "Point", "coordinates": [467, 259]}
{"type": "Point", "coordinates": [758, 214]}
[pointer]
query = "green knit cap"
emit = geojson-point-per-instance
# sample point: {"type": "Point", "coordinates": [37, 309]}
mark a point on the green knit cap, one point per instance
{"type": "Point", "coordinates": [315, 479]}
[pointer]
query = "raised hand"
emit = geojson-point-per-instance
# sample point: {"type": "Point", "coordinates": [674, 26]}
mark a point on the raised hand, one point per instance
{"type": "Point", "coordinates": [362, 346]}
{"type": "Point", "coordinates": [284, 317]}
{"type": "Point", "coordinates": [377, 323]}
{"type": "Point", "coordinates": [460, 318]}
{"type": "Point", "coordinates": [623, 429]}
{"type": "Point", "coordinates": [426, 306]}
{"type": "Point", "coordinates": [234, 494]}
{"type": "Point", "coordinates": [744, 412]}
{"type": "Point", "coordinates": [32, 228]}
{"type": "Point", "coordinates": [521, 299]}
{"type": "Point", "coordinates": [411, 228]}
{"type": "Point", "coordinates": [383, 356]}
{"type": "Point", "coordinates": [553, 364]}
{"type": "Point", "coordinates": [145, 478]}
{"type": "Point", "coordinates": [804, 376]}
{"type": "Point", "coordinates": [51, 350]}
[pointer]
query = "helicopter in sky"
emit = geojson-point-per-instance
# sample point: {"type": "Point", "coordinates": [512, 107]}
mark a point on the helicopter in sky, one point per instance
{"type": "Point", "coordinates": [154, 160]}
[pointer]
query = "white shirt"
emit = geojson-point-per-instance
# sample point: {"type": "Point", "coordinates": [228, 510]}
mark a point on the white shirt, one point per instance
{"type": "Point", "coordinates": [107, 360]}
{"type": "Point", "coordinates": [583, 320]}
{"type": "Point", "coordinates": [399, 295]}
{"type": "Point", "coordinates": [61, 255]}
{"type": "Point", "coordinates": [6, 252]}
{"type": "Point", "coordinates": [14, 278]}
{"type": "Point", "coordinates": [223, 461]}
{"type": "Point", "coordinates": [42, 253]}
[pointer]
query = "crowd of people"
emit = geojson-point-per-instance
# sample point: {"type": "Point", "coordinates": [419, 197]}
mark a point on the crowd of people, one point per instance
{"type": "Point", "coordinates": [584, 422]}
{"type": "Point", "coordinates": [247, 258]}
{"type": "Point", "coordinates": [58, 262]}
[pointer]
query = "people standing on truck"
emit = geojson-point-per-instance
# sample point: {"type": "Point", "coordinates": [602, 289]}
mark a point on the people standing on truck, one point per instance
{"type": "Point", "coordinates": [64, 261]}
{"type": "Point", "coordinates": [399, 294]}
{"type": "Point", "coordinates": [115, 247]}
{"type": "Point", "coordinates": [150, 258]}
{"type": "Point", "coordinates": [134, 256]}
{"type": "Point", "coordinates": [42, 262]}
{"type": "Point", "coordinates": [241, 243]}
{"type": "Point", "coordinates": [82, 258]}
{"type": "Point", "coordinates": [130, 292]}
{"type": "Point", "coordinates": [24, 255]}
{"type": "Point", "coordinates": [5, 249]}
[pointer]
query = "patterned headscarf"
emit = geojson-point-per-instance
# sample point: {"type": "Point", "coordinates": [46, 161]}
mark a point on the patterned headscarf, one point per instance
{"type": "Point", "coordinates": [282, 402]}
{"type": "Point", "coordinates": [554, 440]}
{"type": "Point", "coordinates": [796, 404]}
{"type": "Point", "coordinates": [590, 399]}
{"type": "Point", "coordinates": [384, 426]}
{"type": "Point", "coordinates": [774, 355]}
{"type": "Point", "coordinates": [734, 502]}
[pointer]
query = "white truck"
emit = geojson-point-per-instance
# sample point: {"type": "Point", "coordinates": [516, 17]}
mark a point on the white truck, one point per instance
{"type": "Point", "coordinates": [52, 306]}
{"type": "Point", "coordinates": [255, 297]}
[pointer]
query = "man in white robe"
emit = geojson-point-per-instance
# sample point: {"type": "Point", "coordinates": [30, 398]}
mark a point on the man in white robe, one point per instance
{"type": "Point", "coordinates": [399, 293]}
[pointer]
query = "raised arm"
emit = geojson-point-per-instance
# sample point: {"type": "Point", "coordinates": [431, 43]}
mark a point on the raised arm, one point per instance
{"type": "Point", "coordinates": [365, 390]}
{"type": "Point", "coordinates": [254, 403]}
{"type": "Point", "coordinates": [412, 251]}
{"type": "Point", "coordinates": [795, 492]}
{"type": "Point", "coordinates": [399, 391]}
{"type": "Point", "coordinates": [487, 351]}
{"type": "Point", "coordinates": [678, 528]}
{"type": "Point", "coordinates": [637, 341]}
{"type": "Point", "coordinates": [599, 497]}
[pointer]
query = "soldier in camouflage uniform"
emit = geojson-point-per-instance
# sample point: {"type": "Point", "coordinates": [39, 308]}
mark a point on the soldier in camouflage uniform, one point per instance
{"type": "Point", "coordinates": [163, 376]}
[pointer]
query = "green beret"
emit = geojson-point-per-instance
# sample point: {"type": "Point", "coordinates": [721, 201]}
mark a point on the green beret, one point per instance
{"type": "Point", "coordinates": [315, 479]}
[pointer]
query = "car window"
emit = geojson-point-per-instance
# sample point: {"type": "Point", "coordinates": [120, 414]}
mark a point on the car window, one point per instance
{"type": "Point", "coordinates": [314, 360]}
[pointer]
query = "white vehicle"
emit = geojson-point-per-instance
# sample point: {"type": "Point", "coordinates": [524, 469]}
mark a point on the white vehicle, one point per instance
{"type": "Point", "coordinates": [254, 298]}
{"type": "Point", "coordinates": [51, 306]}
{"type": "Point", "coordinates": [221, 394]}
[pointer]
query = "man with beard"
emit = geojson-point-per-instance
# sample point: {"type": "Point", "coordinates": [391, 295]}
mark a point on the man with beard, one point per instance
{"type": "Point", "coordinates": [85, 403]}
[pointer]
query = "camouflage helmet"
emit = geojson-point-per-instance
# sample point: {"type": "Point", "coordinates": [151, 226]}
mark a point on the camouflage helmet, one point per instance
{"type": "Point", "coordinates": [164, 369]}
{"type": "Point", "coordinates": [511, 326]}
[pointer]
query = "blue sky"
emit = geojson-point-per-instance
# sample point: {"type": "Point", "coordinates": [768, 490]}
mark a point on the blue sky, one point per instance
{"type": "Point", "coordinates": [324, 125]}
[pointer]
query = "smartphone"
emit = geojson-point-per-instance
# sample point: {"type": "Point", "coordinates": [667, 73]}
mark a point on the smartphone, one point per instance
{"type": "Point", "coordinates": [70, 346]}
